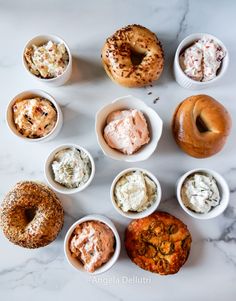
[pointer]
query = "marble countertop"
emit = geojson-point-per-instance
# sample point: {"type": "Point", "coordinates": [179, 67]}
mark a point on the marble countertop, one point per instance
{"type": "Point", "coordinates": [43, 274]}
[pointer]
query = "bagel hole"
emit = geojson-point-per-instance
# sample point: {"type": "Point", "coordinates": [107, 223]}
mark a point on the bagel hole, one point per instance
{"type": "Point", "coordinates": [30, 214]}
{"type": "Point", "coordinates": [136, 57]}
{"type": "Point", "coordinates": [201, 126]}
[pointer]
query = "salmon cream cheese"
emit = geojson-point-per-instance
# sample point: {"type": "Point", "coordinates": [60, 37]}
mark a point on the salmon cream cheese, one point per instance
{"type": "Point", "coordinates": [126, 131]}
{"type": "Point", "coordinates": [92, 243]}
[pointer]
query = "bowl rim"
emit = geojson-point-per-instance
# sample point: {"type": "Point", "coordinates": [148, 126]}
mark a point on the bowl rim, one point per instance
{"type": "Point", "coordinates": [33, 93]}
{"type": "Point", "coordinates": [94, 217]}
{"type": "Point", "coordinates": [220, 182]}
{"type": "Point", "coordinates": [47, 173]}
{"type": "Point", "coordinates": [148, 111]}
{"type": "Point", "coordinates": [183, 44]}
{"type": "Point", "coordinates": [145, 212]}
{"type": "Point", "coordinates": [52, 37]}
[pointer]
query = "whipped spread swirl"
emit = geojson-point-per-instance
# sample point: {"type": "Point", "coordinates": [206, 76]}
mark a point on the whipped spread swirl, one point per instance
{"type": "Point", "coordinates": [200, 193]}
{"type": "Point", "coordinates": [135, 191]}
{"type": "Point", "coordinates": [202, 60]}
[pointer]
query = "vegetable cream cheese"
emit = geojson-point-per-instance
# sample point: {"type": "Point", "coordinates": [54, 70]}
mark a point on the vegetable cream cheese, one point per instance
{"type": "Point", "coordinates": [47, 61]}
{"type": "Point", "coordinates": [200, 193]}
{"type": "Point", "coordinates": [202, 60]}
{"type": "Point", "coordinates": [135, 191]}
{"type": "Point", "coordinates": [34, 117]}
{"type": "Point", "coordinates": [71, 167]}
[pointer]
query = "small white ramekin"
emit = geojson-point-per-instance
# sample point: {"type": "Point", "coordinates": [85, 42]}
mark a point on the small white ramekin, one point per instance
{"type": "Point", "coordinates": [30, 94]}
{"type": "Point", "coordinates": [52, 82]}
{"type": "Point", "coordinates": [48, 173]}
{"type": "Point", "coordinates": [186, 82]}
{"type": "Point", "coordinates": [153, 120]}
{"type": "Point", "coordinates": [223, 189]}
{"type": "Point", "coordinates": [74, 262]}
{"type": "Point", "coordinates": [149, 210]}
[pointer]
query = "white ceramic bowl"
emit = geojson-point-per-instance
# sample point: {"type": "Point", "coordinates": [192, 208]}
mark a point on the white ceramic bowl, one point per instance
{"type": "Point", "coordinates": [53, 82]}
{"type": "Point", "coordinates": [186, 82]}
{"type": "Point", "coordinates": [30, 94]}
{"type": "Point", "coordinates": [74, 262]}
{"type": "Point", "coordinates": [153, 120]}
{"type": "Point", "coordinates": [149, 210]}
{"type": "Point", "coordinates": [223, 189]}
{"type": "Point", "coordinates": [48, 173]}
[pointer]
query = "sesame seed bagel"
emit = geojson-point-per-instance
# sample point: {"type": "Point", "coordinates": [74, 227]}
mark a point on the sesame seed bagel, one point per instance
{"type": "Point", "coordinates": [201, 126]}
{"type": "Point", "coordinates": [31, 215]}
{"type": "Point", "coordinates": [133, 56]}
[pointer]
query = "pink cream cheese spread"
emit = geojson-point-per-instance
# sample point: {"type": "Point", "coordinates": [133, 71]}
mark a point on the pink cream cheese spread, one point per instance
{"type": "Point", "coordinates": [202, 60]}
{"type": "Point", "coordinates": [92, 243]}
{"type": "Point", "coordinates": [126, 131]}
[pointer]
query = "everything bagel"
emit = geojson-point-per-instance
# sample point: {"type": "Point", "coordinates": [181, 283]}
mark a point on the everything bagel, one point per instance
{"type": "Point", "coordinates": [200, 126]}
{"type": "Point", "coordinates": [133, 56]}
{"type": "Point", "coordinates": [31, 215]}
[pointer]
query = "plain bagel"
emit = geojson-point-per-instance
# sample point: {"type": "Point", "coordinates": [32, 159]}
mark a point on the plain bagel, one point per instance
{"type": "Point", "coordinates": [31, 215]}
{"type": "Point", "coordinates": [200, 126]}
{"type": "Point", "coordinates": [133, 56]}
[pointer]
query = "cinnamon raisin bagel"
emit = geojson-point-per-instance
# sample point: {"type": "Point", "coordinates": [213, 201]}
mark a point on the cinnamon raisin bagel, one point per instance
{"type": "Point", "coordinates": [31, 215]}
{"type": "Point", "coordinates": [159, 243]}
{"type": "Point", "coordinates": [133, 56]}
{"type": "Point", "coordinates": [200, 126]}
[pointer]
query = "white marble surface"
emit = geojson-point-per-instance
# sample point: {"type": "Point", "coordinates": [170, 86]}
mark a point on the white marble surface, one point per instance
{"type": "Point", "coordinates": [43, 274]}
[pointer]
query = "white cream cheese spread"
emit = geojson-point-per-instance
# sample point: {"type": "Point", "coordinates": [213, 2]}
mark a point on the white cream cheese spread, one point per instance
{"type": "Point", "coordinates": [48, 60]}
{"type": "Point", "coordinates": [202, 60]}
{"type": "Point", "coordinates": [71, 167]}
{"type": "Point", "coordinates": [200, 193]}
{"type": "Point", "coordinates": [135, 191]}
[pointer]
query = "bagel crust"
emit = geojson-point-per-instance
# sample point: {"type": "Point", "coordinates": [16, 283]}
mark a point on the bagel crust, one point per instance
{"type": "Point", "coordinates": [159, 243]}
{"type": "Point", "coordinates": [200, 126]}
{"type": "Point", "coordinates": [31, 215]}
{"type": "Point", "coordinates": [125, 43]}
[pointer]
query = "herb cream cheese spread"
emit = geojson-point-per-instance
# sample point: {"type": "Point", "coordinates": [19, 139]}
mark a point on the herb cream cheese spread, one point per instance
{"type": "Point", "coordinates": [71, 167]}
{"type": "Point", "coordinates": [200, 193]}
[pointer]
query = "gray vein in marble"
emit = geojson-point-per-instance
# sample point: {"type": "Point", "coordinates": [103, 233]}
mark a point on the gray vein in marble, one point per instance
{"type": "Point", "coordinates": [35, 267]}
{"type": "Point", "coordinates": [230, 212]}
{"type": "Point", "coordinates": [99, 156]}
{"type": "Point", "coordinates": [66, 104]}
{"type": "Point", "coordinates": [183, 21]}
{"type": "Point", "coordinates": [229, 258]}
{"type": "Point", "coordinates": [228, 235]}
